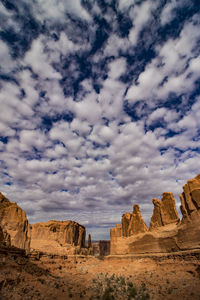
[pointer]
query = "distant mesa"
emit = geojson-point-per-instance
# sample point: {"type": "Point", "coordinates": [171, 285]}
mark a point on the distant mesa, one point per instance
{"type": "Point", "coordinates": [58, 237]}
{"type": "Point", "coordinates": [167, 233]}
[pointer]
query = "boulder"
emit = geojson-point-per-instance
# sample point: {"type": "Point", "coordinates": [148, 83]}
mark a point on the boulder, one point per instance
{"type": "Point", "coordinates": [164, 211]}
{"type": "Point", "coordinates": [58, 237]}
{"type": "Point", "coordinates": [14, 224]}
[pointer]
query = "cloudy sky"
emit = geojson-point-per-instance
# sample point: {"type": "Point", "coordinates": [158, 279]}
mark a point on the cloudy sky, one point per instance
{"type": "Point", "coordinates": [99, 106]}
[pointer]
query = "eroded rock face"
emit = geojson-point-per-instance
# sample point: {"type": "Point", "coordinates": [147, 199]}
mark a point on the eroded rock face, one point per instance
{"type": "Point", "coordinates": [167, 233]}
{"type": "Point", "coordinates": [104, 248]}
{"type": "Point", "coordinates": [58, 237]}
{"type": "Point", "coordinates": [89, 241]}
{"type": "Point", "coordinates": [133, 223]}
{"type": "Point", "coordinates": [164, 211]}
{"type": "Point", "coordinates": [14, 224]}
{"type": "Point", "coordinates": [115, 234]}
{"type": "Point", "coordinates": [1, 236]}
{"type": "Point", "coordinates": [190, 198]}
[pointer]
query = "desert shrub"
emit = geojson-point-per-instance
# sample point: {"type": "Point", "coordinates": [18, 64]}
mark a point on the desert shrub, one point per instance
{"type": "Point", "coordinates": [145, 296]}
{"type": "Point", "coordinates": [107, 295]}
{"type": "Point", "coordinates": [41, 280]}
{"type": "Point", "coordinates": [132, 292]}
{"type": "Point", "coordinates": [130, 284]}
{"type": "Point", "coordinates": [143, 286]}
{"type": "Point", "coordinates": [122, 280]}
{"type": "Point", "coordinates": [112, 277]}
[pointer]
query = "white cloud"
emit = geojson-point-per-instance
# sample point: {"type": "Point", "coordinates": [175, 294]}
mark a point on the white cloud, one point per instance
{"type": "Point", "coordinates": [124, 4]}
{"type": "Point", "coordinates": [56, 10]}
{"type": "Point", "coordinates": [117, 68]}
{"type": "Point", "coordinates": [38, 60]}
{"type": "Point", "coordinates": [115, 44]}
{"type": "Point", "coordinates": [140, 14]}
{"type": "Point", "coordinates": [169, 11]}
{"type": "Point", "coordinates": [88, 109]}
{"type": "Point", "coordinates": [32, 138]}
{"type": "Point", "coordinates": [169, 71]}
{"type": "Point", "coordinates": [6, 61]}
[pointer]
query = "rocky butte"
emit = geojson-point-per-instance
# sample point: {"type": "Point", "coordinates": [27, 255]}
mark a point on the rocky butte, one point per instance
{"type": "Point", "coordinates": [58, 237]}
{"type": "Point", "coordinates": [166, 233]}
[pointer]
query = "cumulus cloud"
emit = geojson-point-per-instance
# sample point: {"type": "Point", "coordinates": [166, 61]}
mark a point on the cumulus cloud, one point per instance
{"type": "Point", "coordinates": [99, 107]}
{"type": "Point", "coordinates": [140, 14]}
{"type": "Point", "coordinates": [174, 70]}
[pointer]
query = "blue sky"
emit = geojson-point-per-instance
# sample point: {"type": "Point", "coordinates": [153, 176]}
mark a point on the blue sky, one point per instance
{"type": "Point", "coordinates": [100, 106]}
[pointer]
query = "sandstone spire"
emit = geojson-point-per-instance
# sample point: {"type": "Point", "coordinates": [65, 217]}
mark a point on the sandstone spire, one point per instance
{"type": "Point", "coordinates": [89, 241]}
{"type": "Point", "coordinates": [133, 224]}
{"type": "Point", "coordinates": [190, 198]}
{"type": "Point", "coordinates": [164, 211]}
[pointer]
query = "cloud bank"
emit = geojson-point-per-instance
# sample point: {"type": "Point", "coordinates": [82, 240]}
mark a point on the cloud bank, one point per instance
{"type": "Point", "coordinates": [100, 105]}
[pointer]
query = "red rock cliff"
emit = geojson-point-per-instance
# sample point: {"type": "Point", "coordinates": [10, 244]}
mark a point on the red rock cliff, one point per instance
{"type": "Point", "coordinates": [133, 223]}
{"type": "Point", "coordinates": [59, 237]}
{"type": "Point", "coordinates": [14, 224]}
{"type": "Point", "coordinates": [166, 233]}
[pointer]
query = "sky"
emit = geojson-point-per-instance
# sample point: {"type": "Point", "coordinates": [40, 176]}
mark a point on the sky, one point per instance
{"type": "Point", "coordinates": [99, 106]}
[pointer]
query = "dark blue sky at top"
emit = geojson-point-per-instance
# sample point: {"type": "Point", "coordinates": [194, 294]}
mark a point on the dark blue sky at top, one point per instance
{"type": "Point", "coordinates": [103, 112]}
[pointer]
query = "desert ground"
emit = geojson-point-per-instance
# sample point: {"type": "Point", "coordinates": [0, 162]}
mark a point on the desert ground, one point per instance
{"type": "Point", "coordinates": [88, 277]}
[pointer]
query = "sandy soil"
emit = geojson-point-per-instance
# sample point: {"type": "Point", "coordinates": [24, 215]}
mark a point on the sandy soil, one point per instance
{"type": "Point", "coordinates": [90, 278]}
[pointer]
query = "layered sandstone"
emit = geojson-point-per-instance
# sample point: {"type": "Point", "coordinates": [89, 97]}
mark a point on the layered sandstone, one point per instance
{"type": "Point", "coordinates": [115, 235]}
{"type": "Point", "coordinates": [14, 224]}
{"type": "Point", "coordinates": [58, 237]}
{"type": "Point", "coordinates": [1, 236]}
{"type": "Point", "coordinates": [133, 223]}
{"type": "Point", "coordinates": [166, 233]}
{"type": "Point", "coordinates": [190, 198]}
{"type": "Point", "coordinates": [164, 211]}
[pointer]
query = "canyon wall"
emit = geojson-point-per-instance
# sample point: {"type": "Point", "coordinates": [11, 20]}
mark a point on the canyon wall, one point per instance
{"type": "Point", "coordinates": [58, 237]}
{"type": "Point", "coordinates": [167, 233]}
{"type": "Point", "coordinates": [14, 224]}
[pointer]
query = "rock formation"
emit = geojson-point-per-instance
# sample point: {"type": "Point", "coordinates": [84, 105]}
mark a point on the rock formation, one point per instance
{"type": "Point", "coordinates": [58, 237]}
{"type": "Point", "coordinates": [166, 233]}
{"type": "Point", "coordinates": [133, 223]}
{"type": "Point", "coordinates": [5, 238]}
{"type": "Point", "coordinates": [104, 248]}
{"type": "Point", "coordinates": [89, 241]}
{"type": "Point", "coordinates": [164, 211]}
{"type": "Point", "coordinates": [1, 236]}
{"type": "Point", "coordinates": [14, 224]}
{"type": "Point", "coordinates": [115, 235]}
{"type": "Point", "coordinates": [190, 198]}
